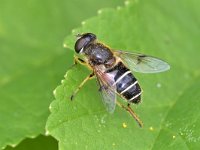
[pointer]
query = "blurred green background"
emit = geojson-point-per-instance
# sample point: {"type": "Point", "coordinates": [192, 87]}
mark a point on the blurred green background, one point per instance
{"type": "Point", "coordinates": [33, 61]}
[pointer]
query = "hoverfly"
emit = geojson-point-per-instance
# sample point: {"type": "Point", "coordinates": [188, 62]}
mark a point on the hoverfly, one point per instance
{"type": "Point", "coordinates": [114, 71]}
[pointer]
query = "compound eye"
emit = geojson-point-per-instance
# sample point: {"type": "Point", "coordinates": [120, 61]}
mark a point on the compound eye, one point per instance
{"type": "Point", "coordinates": [80, 44]}
{"type": "Point", "coordinates": [84, 40]}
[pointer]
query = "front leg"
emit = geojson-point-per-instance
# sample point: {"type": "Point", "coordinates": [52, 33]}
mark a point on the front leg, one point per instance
{"type": "Point", "coordinates": [79, 60]}
{"type": "Point", "coordinates": [76, 61]}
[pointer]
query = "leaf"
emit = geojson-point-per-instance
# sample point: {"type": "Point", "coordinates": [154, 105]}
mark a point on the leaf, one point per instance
{"type": "Point", "coordinates": [181, 125]}
{"type": "Point", "coordinates": [166, 29]}
{"type": "Point", "coordinates": [33, 60]}
{"type": "Point", "coordinates": [39, 143]}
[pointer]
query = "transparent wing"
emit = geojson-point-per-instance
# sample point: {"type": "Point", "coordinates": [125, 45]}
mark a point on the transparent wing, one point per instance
{"type": "Point", "coordinates": [142, 63]}
{"type": "Point", "coordinates": [108, 94]}
{"type": "Point", "coordinates": [108, 97]}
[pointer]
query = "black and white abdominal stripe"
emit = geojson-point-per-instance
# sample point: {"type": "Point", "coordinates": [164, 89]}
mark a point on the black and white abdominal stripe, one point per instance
{"type": "Point", "coordinates": [126, 84]}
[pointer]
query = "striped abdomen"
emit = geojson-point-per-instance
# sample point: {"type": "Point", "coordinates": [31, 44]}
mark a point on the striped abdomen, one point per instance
{"type": "Point", "coordinates": [126, 84]}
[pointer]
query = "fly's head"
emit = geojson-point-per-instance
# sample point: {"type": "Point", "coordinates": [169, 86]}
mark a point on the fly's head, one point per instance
{"type": "Point", "coordinates": [83, 41]}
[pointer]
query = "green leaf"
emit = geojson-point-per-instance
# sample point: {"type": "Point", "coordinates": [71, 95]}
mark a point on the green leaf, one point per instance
{"type": "Point", "coordinates": [166, 29]}
{"type": "Point", "coordinates": [38, 143]}
{"type": "Point", "coordinates": [33, 60]}
{"type": "Point", "coordinates": [180, 128]}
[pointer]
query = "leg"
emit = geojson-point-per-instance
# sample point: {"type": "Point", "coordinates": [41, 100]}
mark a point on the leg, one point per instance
{"type": "Point", "coordinates": [82, 83]}
{"type": "Point", "coordinates": [78, 60]}
{"type": "Point", "coordinates": [133, 114]}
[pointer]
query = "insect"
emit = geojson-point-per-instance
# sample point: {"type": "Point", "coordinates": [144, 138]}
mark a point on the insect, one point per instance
{"type": "Point", "coordinates": [114, 71]}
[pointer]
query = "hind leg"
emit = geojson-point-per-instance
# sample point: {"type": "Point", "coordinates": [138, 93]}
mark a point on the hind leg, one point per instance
{"type": "Point", "coordinates": [133, 114]}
